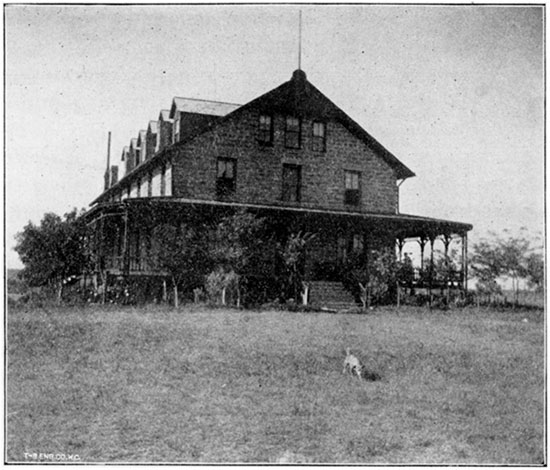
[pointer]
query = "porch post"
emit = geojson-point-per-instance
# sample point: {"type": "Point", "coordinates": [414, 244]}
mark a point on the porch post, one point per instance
{"type": "Point", "coordinates": [465, 262]}
{"type": "Point", "coordinates": [400, 244]}
{"type": "Point", "coordinates": [432, 240]}
{"type": "Point", "coordinates": [446, 242]}
{"type": "Point", "coordinates": [422, 243]}
{"type": "Point", "coordinates": [125, 245]}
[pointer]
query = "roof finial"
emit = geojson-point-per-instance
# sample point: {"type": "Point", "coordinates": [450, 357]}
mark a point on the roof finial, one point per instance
{"type": "Point", "coordinates": [300, 42]}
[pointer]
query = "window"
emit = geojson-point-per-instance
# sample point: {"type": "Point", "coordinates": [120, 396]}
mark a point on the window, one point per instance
{"type": "Point", "coordinates": [159, 132]}
{"type": "Point", "coordinates": [177, 125]}
{"type": "Point", "coordinates": [225, 176]}
{"type": "Point", "coordinates": [150, 185]}
{"type": "Point", "coordinates": [292, 181]}
{"type": "Point", "coordinates": [342, 248]}
{"type": "Point", "coordinates": [155, 191]}
{"type": "Point", "coordinates": [163, 181]}
{"type": "Point", "coordinates": [357, 243]}
{"type": "Point", "coordinates": [319, 143]}
{"type": "Point", "coordinates": [265, 130]}
{"type": "Point", "coordinates": [293, 132]}
{"type": "Point", "coordinates": [133, 189]}
{"type": "Point", "coordinates": [352, 194]}
{"type": "Point", "coordinates": [137, 156]}
{"type": "Point", "coordinates": [168, 180]}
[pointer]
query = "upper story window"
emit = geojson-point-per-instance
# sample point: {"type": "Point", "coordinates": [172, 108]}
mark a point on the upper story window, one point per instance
{"type": "Point", "coordinates": [177, 127]}
{"type": "Point", "coordinates": [293, 131]}
{"type": "Point", "coordinates": [226, 176]}
{"type": "Point", "coordinates": [168, 179]}
{"type": "Point", "coordinates": [319, 141]}
{"type": "Point", "coordinates": [265, 129]}
{"type": "Point", "coordinates": [163, 180]}
{"type": "Point", "coordinates": [352, 193]}
{"type": "Point", "coordinates": [157, 141]}
{"type": "Point", "coordinates": [292, 182]}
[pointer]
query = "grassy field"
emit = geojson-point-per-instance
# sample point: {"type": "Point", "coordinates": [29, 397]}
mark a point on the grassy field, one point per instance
{"type": "Point", "coordinates": [156, 385]}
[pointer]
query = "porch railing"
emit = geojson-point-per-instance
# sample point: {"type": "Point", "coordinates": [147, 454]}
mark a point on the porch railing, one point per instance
{"type": "Point", "coordinates": [427, 278]}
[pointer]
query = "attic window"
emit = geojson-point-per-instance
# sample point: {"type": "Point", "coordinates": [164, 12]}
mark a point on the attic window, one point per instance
{"type": "Point", "coordinates": [163, 181]}
{"type": "Point", "coordinates": [319, 137]}
{"type": "Point", "coordinates": [293, 132]}
{"type": "Point", "coordinates": [225, 176]}
{"type": "Point", "coordinates": [177, 124]}
{"type": "Point", "coordinates": [352, 193]}
{"type": "Point", "coordinates": [265, 129]}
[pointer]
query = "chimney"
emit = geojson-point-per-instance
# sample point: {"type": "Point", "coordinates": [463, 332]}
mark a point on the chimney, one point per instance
{"type": "Point", "coordinates": [107, 184]}
{"type": "Point", "coordinates": [114, 175]}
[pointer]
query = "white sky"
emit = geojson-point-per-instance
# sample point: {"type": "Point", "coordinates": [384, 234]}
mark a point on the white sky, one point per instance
{"type": "Point", "coordinates": [456, 93]}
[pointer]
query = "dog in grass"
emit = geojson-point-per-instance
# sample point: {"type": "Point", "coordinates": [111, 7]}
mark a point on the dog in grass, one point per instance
{"type": "Point", "coordinates": [352, 364]}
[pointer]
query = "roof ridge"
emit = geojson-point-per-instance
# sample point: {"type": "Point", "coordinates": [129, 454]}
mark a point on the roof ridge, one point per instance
{"type": "Point", "coordinates": [205, 100]}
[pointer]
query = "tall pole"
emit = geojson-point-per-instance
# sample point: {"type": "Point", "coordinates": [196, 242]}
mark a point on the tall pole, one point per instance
{"type": "Point", "coordinates": [300, 42]}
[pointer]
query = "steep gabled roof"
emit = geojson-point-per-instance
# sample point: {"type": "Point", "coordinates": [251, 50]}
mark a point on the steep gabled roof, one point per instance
{"type": "Point", "coordinates": [296, 97]}
{"type": "Point", "coordinates": [164, 115]}
{"type": "Point", "coordinates": [152, 127]}
{"type": "Point", "coordinates": [300, 98]}
{"type": "Point", "coordinates": [211, 108]}
{"type": "Point", "coordinates": [141, 138]}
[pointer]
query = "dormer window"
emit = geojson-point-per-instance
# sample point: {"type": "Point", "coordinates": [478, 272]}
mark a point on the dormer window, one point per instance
{"type": "Point", "coordinates": [177, 124]}
{"type": "Point", "coordinates": [163, 181]}
{"type": "Point", "coordinates": [226, 176]}
{"type": "Point", "coordinates": [352, 192]}
{"type": "Point", "coordinates": [265, 129]}
{"type": "Point", "coordinates": [319, 143]}
{"type": "Point", "coordinates": [293, 131]}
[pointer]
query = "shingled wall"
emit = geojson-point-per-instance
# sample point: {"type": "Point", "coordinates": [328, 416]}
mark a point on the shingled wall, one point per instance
{"type": "Point", "coordinates": [260, 167]}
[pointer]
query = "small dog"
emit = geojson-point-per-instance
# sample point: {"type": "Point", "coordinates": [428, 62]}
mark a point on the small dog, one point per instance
{"type": "Point", "coordinates": [352, 364]}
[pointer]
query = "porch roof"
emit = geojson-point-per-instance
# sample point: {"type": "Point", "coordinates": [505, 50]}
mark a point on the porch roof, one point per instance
{"type": "Point", "coordinates": [401, 225]}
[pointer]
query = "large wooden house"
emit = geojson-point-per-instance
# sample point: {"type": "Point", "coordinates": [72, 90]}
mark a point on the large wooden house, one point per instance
{"type": "Point", "coordinates": [290, 155]}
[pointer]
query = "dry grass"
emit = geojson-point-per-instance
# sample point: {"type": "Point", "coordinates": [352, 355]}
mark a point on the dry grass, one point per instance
{"type": "Point", "coordinates": [198, 385]}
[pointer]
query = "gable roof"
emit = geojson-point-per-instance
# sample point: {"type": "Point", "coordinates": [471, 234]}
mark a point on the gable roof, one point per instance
{"type": "Point", "coordinates": [296, 97]}
{"type": "Point", "coordinates": [141, 138]}
{"type": "Point", "coordinates": [164, 115]}
{"type": "Point", "coordinates": [152, 127]}
{"type": "Point", "coordinates": [300, 98]}
{"type": "Point", "coordinates": [125, 152]}
{"type": "Point", "coordinates": [196, 106]}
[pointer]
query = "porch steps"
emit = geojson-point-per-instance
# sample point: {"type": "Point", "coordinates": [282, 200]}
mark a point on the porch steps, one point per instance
{"type": "Point", "coordinates": [330, 295]}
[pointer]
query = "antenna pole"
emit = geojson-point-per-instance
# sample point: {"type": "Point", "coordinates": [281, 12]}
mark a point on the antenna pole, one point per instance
{"type": "Point", "coordinates": [300, 42]}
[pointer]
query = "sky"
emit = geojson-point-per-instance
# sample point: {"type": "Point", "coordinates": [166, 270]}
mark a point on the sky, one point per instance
{"type": "Point", "coordinates": [455, 92]}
